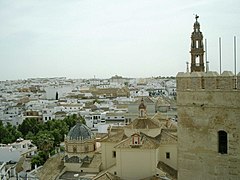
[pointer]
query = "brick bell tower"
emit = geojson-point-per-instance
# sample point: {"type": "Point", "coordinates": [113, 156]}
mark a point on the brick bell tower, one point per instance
{"type": "Point", "coordinates": [197, 51]}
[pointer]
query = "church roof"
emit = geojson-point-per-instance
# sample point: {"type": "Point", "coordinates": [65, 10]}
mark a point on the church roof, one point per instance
{"type": "Point", "coordinates": [80, 132]}
{"type": "Point", "coordinates": [159, 117]}
{"type": "Point", "coordinates": [143, 123]}
{"type": "Point", "coordinates": [162, 102]}
{"type": "Point", "coordinates": [167, 136]}
{"type": "Point", "coordinates": [115, 137]}
{"type": "Point", "coordinates": [106, 176]}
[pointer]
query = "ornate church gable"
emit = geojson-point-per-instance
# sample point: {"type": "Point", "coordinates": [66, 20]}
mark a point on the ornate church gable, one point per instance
{"type": "Point", "coordinates": [141, 141]}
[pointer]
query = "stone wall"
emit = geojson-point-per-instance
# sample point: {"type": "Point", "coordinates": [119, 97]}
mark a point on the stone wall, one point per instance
{"type": "Point", "coordinates": [208, 103]}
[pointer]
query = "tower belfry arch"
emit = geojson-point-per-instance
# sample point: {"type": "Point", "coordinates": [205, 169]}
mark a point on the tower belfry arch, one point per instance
{"type": "Point", "coordinates": [197, 49]}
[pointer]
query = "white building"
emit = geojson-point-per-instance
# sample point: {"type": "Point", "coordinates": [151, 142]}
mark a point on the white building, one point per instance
{"type": "Point", "coordinates": [14, 151]}
{"type": "Point", "coordinates": [56, 92]}
{"type": "Point", "coordinates": [7, 170]}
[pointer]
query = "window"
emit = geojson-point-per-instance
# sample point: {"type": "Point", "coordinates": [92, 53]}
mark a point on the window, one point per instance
{"type": "Point", "coordinates": [135, 139]}
{"type": "Point", "coordinates": [167, 155]}
{"type": "Point", "coordinates": [222, 142]}
{"type": "Point", "coordinates": [197, 44]}
{"type": "Point", "coordinates": [197, 60]}
{"type": "Point", "coordinates": [114, 154]}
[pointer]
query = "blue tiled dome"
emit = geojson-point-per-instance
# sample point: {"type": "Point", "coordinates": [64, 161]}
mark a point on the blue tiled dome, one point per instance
{"type": "Point", "coordinates": [80, 132]}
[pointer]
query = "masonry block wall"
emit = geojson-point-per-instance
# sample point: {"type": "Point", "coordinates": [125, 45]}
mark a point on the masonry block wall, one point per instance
{"type": "Point", "coordinates": [208, 103]}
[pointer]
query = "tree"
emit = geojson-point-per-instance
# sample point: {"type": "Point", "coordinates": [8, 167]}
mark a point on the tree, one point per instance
{"type": "Point", "coordinates": [30, 136]}
{"type": "Point", "coordinates": [8, 133]}
{"type": "Point", "coordinates": [39, 159]}
{"type": "Point", "coordinates": [70, 121]}
{"type": "Point", "coordinates": [44, 140]}
{"type": "Point", "coordinates": [3, 132]}
{"type": "Point", "coordinates": [57, 128]}
{"type": "Point", "coordinates": [29, 125]}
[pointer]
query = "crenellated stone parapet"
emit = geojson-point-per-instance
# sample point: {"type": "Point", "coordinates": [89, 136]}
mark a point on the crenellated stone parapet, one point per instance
{"type": "Point", "coordinates": [207, 103]}
{"type": "Point", "coordinates": [208, 81]}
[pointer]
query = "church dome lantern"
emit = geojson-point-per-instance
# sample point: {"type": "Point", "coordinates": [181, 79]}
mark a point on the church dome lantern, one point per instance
{"type": "Point", "coordinates": [142, 105]}
{"type": "Point", "coordinates": [142, 109]}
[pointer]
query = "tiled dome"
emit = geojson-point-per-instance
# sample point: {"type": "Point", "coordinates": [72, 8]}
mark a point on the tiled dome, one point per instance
{"type": "Point", "coordinates": [80, 132]}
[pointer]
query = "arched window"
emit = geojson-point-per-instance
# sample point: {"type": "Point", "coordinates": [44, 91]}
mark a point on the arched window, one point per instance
{"type": "Point", "coordinates": [222, 142]}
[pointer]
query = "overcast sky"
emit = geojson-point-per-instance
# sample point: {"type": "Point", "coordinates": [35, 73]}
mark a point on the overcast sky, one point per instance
{"type": "Point", "coordinates": [131, 38]}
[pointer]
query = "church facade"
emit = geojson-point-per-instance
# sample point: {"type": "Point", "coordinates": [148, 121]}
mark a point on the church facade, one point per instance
{"type": "Point", "coordinates": [142, 149]}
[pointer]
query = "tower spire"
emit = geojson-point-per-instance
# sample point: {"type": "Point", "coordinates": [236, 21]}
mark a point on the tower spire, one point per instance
{"type": "Point", "coordinates": [197, 50]}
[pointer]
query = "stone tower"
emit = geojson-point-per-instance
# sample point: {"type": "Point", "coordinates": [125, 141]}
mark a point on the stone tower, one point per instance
{"type": "Point", "coordinates": [208, 125]}
{"type": "Point", "coordinates": [197, 51]}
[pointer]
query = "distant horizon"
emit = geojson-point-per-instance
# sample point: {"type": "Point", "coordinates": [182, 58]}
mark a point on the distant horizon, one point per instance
{"type": "Point", "coordinates": [69, 78]}
{"type": "Point", "coordinates": [131, 38]}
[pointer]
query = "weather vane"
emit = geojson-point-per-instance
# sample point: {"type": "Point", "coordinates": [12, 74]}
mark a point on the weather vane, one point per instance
{"type": "Point", "coordinates": [196, 16]}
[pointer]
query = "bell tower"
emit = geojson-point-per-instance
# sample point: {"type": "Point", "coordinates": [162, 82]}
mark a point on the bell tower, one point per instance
{"type": "Point", "coordinates": [142, 110]}
{"type": "Point", "coordinates": [197, 51]}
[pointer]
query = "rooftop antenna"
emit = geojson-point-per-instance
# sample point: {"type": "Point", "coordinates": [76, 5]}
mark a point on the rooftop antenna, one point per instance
{"type": "Point", "coordinates": [235, 61]}
{"type": "Point", "coordinates": [207, 62]}
{"type": "Point", "coordinates": [207, 66]}
{"type": "Point", "coordinates": [220, 55]}
{"type": "Point", "coordinates": [235, 55]}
